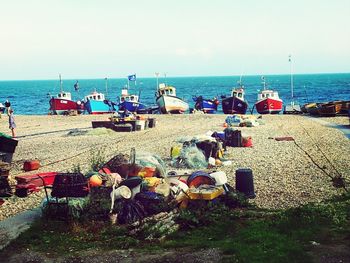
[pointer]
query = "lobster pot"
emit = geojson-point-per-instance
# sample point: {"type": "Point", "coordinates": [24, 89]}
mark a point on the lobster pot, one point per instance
{"type": "Point", "coordinates": [245, 183]}
{"type": "Point", "coordinates": [70, 185]}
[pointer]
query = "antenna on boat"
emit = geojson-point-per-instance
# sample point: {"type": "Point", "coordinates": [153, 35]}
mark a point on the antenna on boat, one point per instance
{"type": "Point", "coordinates": [166, 84]}
{"type": "Point", "coordinates": [263, 82]}
{"type": "Point", "coordinates": [291, 77]}
{"type": "Point", "coordinates": [157, 76]}
{"type": "Point", "coordinates": [60, 83]}
{"type": "Point", "coordinates": [106, 84]}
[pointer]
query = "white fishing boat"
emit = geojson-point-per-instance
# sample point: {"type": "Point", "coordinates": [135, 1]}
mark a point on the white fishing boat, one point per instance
{"type": "Point", "coordinates": [167, 100]}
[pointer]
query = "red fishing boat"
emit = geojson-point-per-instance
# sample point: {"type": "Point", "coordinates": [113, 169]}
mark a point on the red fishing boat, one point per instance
{"type": "Point", "coordinates": [63, 103]}
{"type": "Point", "coordinates": [268, 101]}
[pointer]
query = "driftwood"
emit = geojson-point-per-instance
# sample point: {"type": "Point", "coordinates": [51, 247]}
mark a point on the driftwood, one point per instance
{"type": "Point", "coordinates": [162, 224]}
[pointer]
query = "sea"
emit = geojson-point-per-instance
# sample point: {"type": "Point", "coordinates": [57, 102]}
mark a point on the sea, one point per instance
{"type": "Point", "coordinates": [31, 97]}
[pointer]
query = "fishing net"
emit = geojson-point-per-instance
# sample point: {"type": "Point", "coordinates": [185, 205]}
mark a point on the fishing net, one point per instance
{"type": "Point", "coordinates": [190, 157]}
{"type": "Point", "coordinates": [151, 160]}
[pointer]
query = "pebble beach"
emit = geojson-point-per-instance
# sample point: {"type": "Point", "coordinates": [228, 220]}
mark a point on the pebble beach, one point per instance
{"type": "Point", "coordinates": [285, 172]}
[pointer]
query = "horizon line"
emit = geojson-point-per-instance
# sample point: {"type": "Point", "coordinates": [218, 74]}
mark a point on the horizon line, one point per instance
{"type": "Point", "coordinates": [186, 76]}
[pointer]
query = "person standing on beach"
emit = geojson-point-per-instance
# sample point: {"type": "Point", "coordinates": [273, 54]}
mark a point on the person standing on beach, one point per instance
{"type": "Point", "coordinates": [12, 124]}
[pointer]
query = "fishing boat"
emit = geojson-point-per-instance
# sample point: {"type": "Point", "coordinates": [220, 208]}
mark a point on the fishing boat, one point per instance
{"type": "Point", "coordinates": [293, 107]}
{"type": "Point", "coordinates": [345, 106]}
{"type": "Point", "coordinates": [167, 100]}
{"type": "Point", "coordinates": [96, 103]}
{"type": "Point", "coordinates": [329, 109]}
{"type": "Point", "coordinates": [206, 105]}
{"type": "Point", "coordinates": [311, 108]}
{"type": "Point", "coordinates": [130, 102]}
{"type": "Point", "coordinates": [235, 103]}
{"type": "Point", "coordinates": [268, 101]}
{"type": "Point", "coordinates": [63, 103]}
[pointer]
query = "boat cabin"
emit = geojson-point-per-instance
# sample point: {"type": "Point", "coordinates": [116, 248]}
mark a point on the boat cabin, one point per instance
{"type": "Point", "coordinates": [126, 97]}
{"type": "Point", "coordinates": [239, 93]}
{"type": "Point", "coordinates": [64, 95]}
{"type": "Point", "coordinates": [129, 98]}
{"type": "Point", "coordinates": [95, 96]}
{"type": "Point", "coordinates": [166, 90]}
{"type": "Point", "coordinates": [264, 94]}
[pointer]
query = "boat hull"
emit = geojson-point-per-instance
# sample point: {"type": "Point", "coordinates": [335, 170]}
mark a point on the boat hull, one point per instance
{"type": "Point", "coordinates": [99, 107]}
{"type": "Point", "coordinates": [234, 105]}
{"type": "Point", "coordinates": [171, 104]}
{"type": "Point", "coordinates": [269, 106]}
{"type": "Point", "coordinates": [132, 106]}
{"type": "Point", "coordinates": [62, 106]}
{"type": "Point", "coordinates": [205, 105]}
{"type": "Point", "coordinates": [329, 109]}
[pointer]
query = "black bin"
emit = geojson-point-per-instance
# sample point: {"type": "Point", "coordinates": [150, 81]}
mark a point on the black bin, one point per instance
{"type": "Point", "coordinates": [244, 182]}
{"type": "Point", "coordinates": [151, 122]}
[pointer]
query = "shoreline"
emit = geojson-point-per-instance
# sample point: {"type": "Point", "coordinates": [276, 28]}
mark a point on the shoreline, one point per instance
{"type": "Point", "coordinates": [284, 176]}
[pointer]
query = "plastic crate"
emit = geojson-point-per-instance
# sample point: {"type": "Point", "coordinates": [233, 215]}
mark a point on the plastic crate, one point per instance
{"type": "Point", "coordinates": [205, 194]}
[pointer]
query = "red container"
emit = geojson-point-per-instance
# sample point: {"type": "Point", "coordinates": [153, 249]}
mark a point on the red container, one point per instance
{"type": "Point", "coordinates": [31, 165]}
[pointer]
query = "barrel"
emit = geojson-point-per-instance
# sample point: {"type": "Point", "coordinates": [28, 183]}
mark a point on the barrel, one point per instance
{"type": "Point", "coordinates": [244, 182]}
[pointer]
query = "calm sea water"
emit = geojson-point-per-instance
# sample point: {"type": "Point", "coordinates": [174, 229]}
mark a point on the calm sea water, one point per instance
{"type": "Point", "coordinates": [31, 97]}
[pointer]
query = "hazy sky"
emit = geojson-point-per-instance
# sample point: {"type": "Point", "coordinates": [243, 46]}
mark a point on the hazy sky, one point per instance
{"type": "Point", "coordinates": [106, 38]}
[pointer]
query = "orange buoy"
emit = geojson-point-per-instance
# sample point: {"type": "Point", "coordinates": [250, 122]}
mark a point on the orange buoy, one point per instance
{"type": "Point", "coordinates": [95, 180]}
{"type": "Point", "coordinates": [225, 124]}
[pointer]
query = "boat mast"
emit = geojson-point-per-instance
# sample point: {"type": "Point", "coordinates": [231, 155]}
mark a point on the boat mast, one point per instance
{"type": "Point", "coordinates": [240, 81]}
{"type": "Point", "coordinates": [106, 84]}
{"type": "Point", "coordinates": [157, 76]}
{"type": "Point", "coordinates": [263, 82]}
{"type": "Point", "coordinates": [291, 77]}
{"type": "Point", "coordinates": [60, 83]}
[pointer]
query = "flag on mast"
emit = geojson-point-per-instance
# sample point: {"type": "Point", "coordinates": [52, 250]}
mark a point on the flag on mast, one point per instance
{"type": "Point", "coordinates": [132, 77]}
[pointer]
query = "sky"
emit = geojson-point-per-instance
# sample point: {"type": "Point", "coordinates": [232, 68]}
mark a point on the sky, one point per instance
{"type": "Point", "coordinates": [104, 38]}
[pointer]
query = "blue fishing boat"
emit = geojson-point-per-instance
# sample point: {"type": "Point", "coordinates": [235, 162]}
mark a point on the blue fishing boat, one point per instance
{"type": "Point", "coordinates": [130, 102]}
{"type": "Point", "coordinates": [206, 105]}
{"type": "Point", "coordinates": [95, 103]}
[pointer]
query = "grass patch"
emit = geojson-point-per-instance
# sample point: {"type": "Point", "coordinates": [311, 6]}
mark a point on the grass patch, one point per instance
{"type": "Point", "coordinates": [243, 235]}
